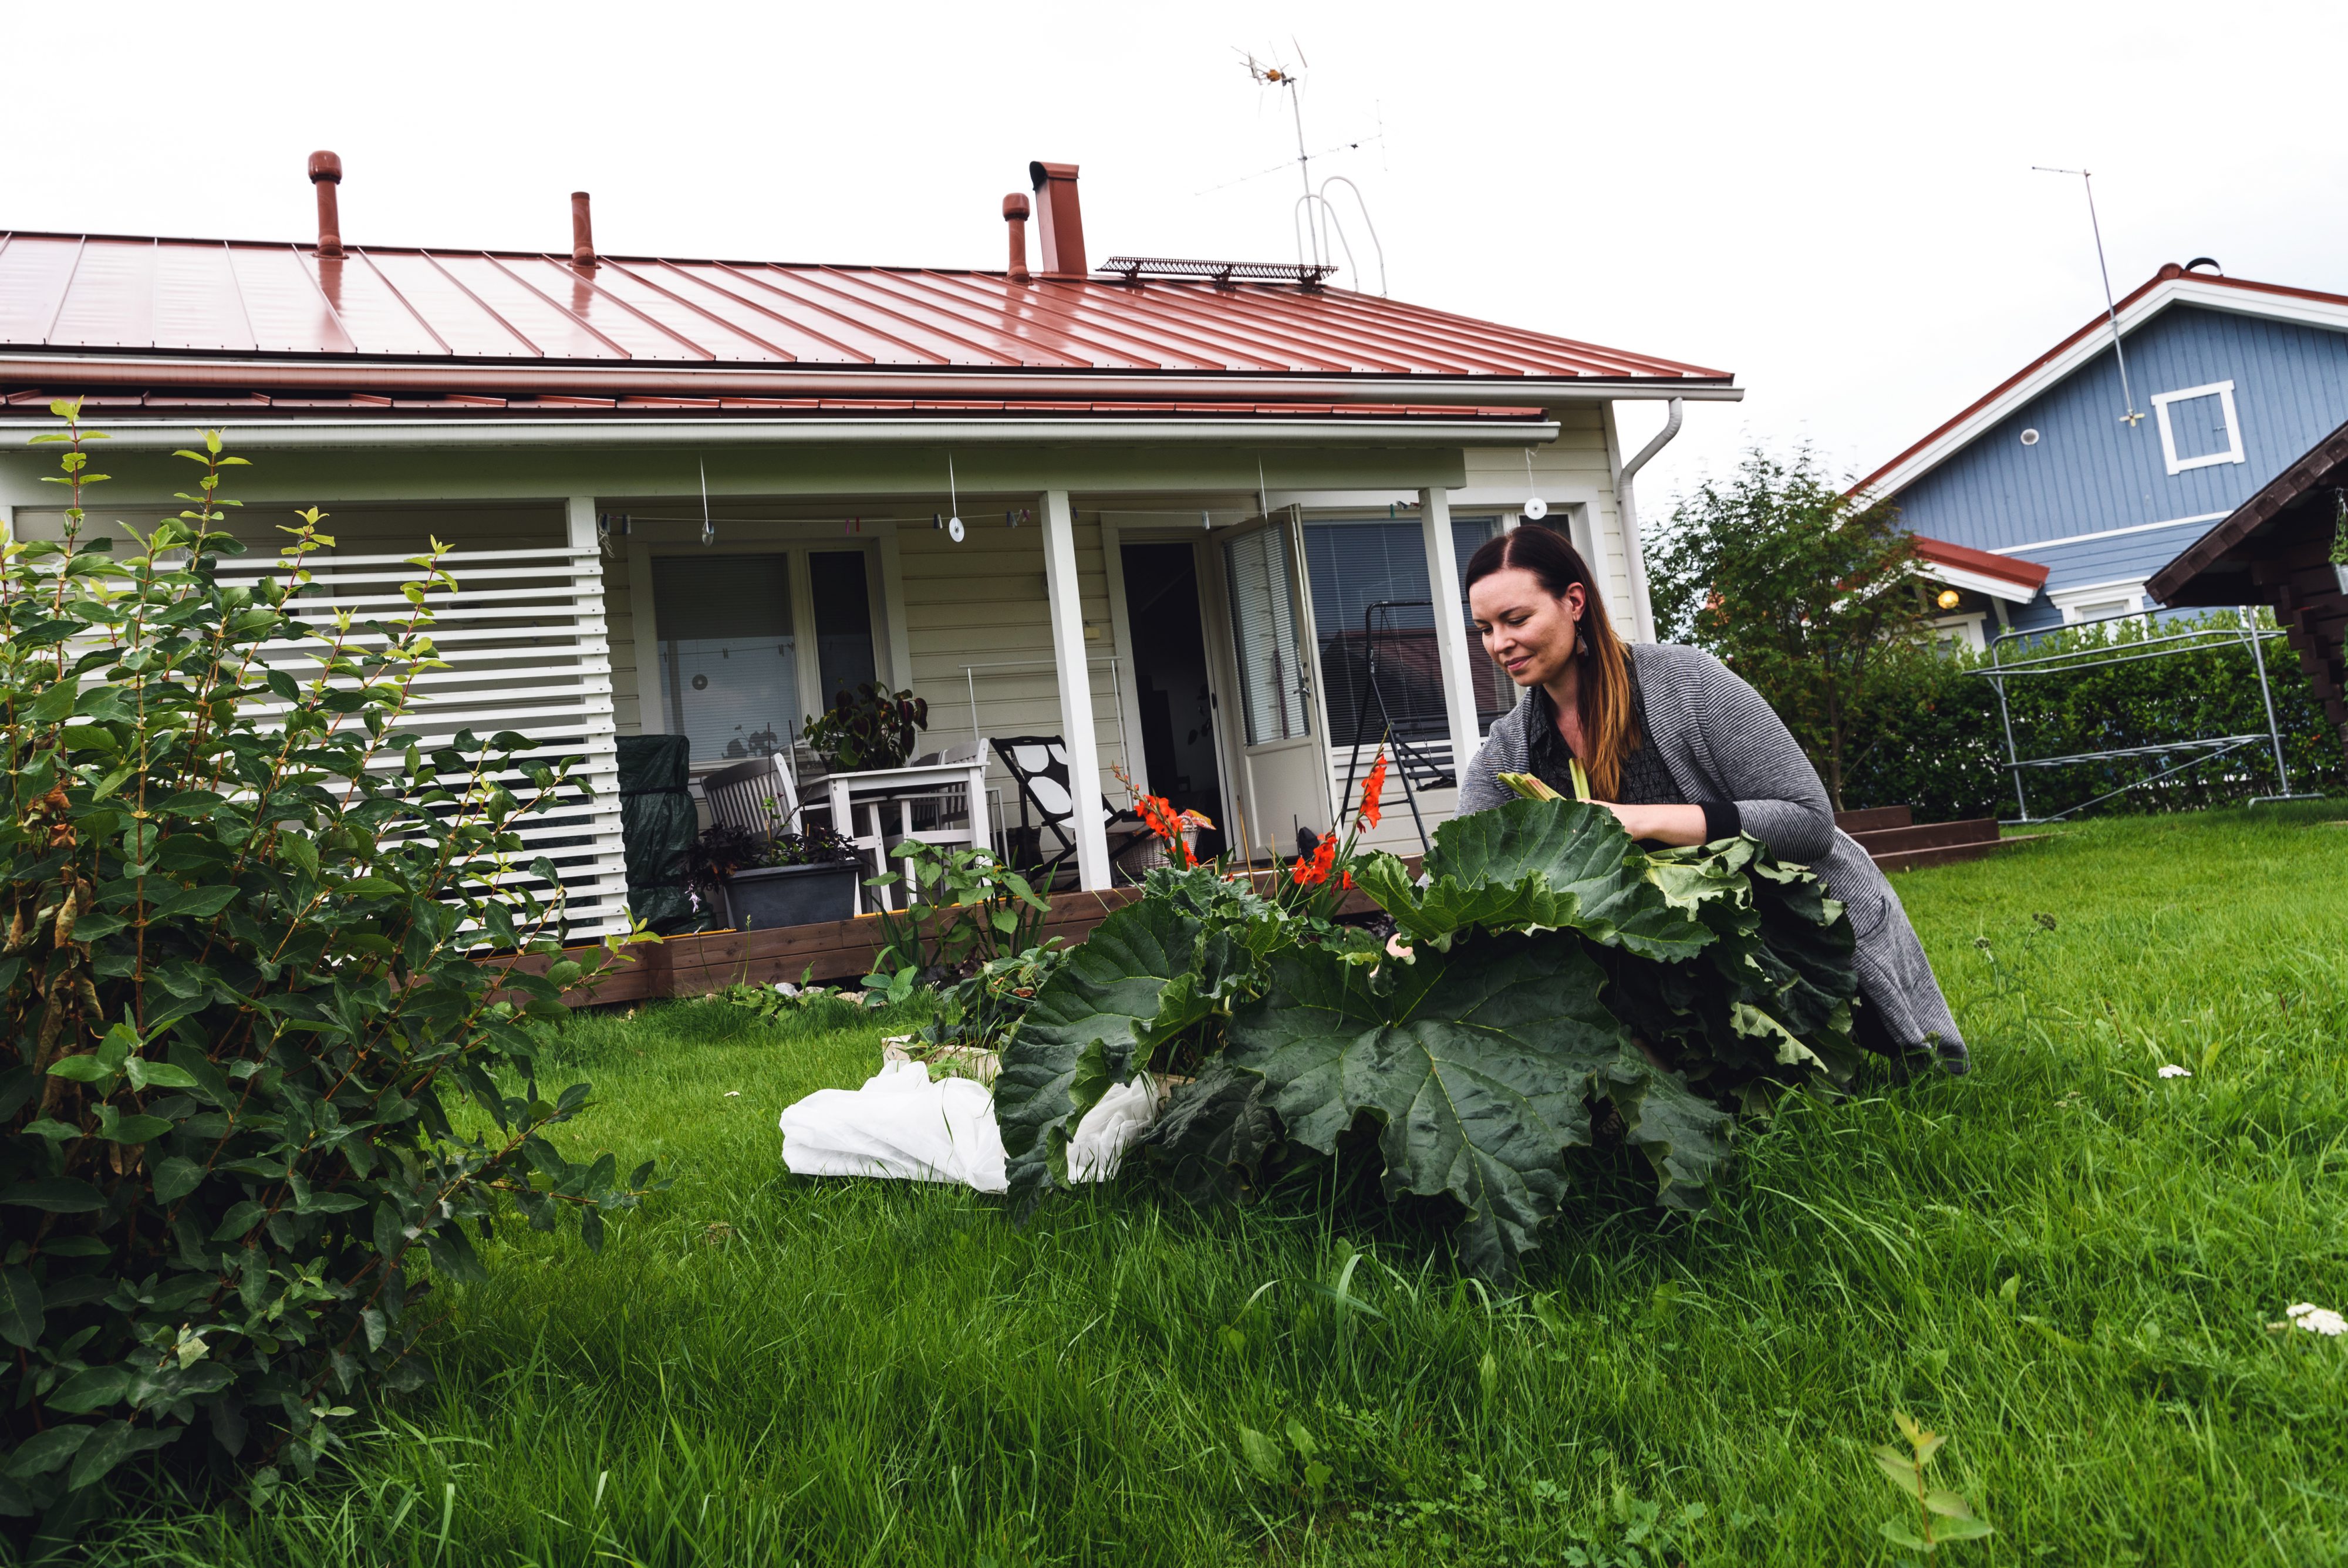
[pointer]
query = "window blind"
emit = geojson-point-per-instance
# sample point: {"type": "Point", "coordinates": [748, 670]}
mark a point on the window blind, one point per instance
{"type": "Point", "coordinates": [1263, 616]}
{"type": "Point", "coordinates": [729, 662]}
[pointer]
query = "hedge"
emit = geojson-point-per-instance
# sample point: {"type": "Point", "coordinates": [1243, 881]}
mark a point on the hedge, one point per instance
{"type": "Point", "coordinates": [1932, 738]}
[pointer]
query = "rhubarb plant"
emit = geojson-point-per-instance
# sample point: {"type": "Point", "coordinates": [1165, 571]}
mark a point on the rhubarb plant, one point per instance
{"type": "Point", "coordinates": [1548, 976]}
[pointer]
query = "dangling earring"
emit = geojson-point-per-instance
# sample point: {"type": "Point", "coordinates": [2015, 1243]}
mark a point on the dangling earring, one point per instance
{"type": "Point", "coordinates": [1581, 642]}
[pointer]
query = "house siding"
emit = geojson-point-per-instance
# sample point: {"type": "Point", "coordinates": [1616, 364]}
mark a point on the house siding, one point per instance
{"type": "Point", "coordinates": [2090, 471]}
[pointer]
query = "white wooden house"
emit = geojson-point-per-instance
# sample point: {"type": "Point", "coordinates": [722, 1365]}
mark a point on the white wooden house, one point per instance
{"type": "Point", "coordinates": [698, 496]}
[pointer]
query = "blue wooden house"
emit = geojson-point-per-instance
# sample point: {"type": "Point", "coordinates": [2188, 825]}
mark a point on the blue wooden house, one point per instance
{"type": "Point", "coordinates": [2056, 496]}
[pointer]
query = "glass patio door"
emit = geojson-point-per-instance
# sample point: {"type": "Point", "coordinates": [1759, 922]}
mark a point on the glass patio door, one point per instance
{"type": "Point", "coordinates": [1276, 725]}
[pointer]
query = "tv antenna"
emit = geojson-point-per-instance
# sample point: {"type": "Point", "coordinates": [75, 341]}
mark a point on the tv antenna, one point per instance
{"type": "Point", "coordinates": [2111, 311]}
{"type": "Point", "coordinates": [1315, 217]}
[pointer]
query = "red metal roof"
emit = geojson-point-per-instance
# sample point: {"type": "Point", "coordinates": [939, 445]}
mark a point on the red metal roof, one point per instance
{"type": "Point", "coordinates": [75, 294]}
{"type": "Point", "coordinates": [2006, 568]}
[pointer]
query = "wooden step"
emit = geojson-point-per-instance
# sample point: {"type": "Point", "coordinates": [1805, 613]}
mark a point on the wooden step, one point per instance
{"type": "Point", "coordinates": [1950, 854]}
{"type": "Point", "coordinates": [1873, 819]}
{"type": "Point", "coordinates": [1884, 841]}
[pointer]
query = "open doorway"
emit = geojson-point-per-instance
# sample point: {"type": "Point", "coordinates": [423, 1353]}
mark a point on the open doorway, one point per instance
{"type": "Point", "coordinates": [1171, 683]}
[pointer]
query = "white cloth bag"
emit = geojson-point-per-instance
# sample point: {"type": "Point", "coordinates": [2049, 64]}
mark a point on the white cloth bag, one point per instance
{"type": "Point", "coordinates": [902, 1126]}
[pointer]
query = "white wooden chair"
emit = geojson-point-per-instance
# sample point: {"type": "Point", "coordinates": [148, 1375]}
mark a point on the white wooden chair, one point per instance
{"type": "Point", "coordinates": [759, 794]}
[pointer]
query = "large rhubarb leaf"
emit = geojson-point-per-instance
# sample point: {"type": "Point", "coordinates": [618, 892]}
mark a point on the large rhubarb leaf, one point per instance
{"type": "Point", "coordinates": [1477, 1067]}
{"type": "Point", "coordinates": [1146, 973]}
{"type": "Point", "coordinates": [1211, 1139]}
{"type": "Point", "coordinates": [1537, 866]}
{"type": "Point", "coordinates": [1770, 998]}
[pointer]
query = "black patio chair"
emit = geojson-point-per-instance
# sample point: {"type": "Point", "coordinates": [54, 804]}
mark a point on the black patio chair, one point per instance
{"type": "Point", "coordinates": [1039, 764]}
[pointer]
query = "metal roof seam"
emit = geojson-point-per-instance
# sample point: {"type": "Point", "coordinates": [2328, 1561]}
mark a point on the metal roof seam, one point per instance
{"type": "Point", "coordinates": [385, 278]}
{"type": "Point", "coordinates": [953, 307]}
{"type": "Point", "coordinates": [1190, 327]}
{"type": "Point", "coordinates": [746, 303]}
{"type": "Point", "coordinates": [602, 293]}
{"type": "Point", "coordinates": [712, 316]}
{"type": "Point", "coordinates": [1407, 357]}
{"type": "Point", "coordinates": [457, 283]}
{"type": "Point", "coordinates": [1035, 297]}
{"type": "Point", "coordinates": [64, 291]}
{"type": "Point", "coordinates": [301, 264]}
{"type": "Point", "coordinates": [1514, 347]}
{"type": "Point", "coordinates": [228, 259]}
{"type": "Point", "coordinates": [585, 326]}
{"type": "Point", "coordinates": [1022, 313]}
{"type": "Point", "coordinates": [987, 356]}
{"type": "Point", "coordinates": [1532, 345]}
{"type": "Point", "coordinates": [843, 317]}
{"type": "Point", "coordinates": [1180, 306]}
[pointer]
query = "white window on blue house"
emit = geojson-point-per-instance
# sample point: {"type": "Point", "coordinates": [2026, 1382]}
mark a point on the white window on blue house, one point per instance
{"type": "Point", "coordinates": [2198, 427]}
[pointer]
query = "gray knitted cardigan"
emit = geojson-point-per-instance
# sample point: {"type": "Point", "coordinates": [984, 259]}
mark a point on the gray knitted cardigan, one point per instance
{"type": "Point", "coordinates": [1724, 742]}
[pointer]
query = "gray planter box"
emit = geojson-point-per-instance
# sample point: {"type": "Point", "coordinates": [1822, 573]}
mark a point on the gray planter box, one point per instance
{"type": "Point", "coordinates": [767, 896]}
{"type": "Point", "coordinates": [2340, 575]}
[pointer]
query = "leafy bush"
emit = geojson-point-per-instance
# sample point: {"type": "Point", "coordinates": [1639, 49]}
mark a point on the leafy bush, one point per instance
{"type": "Point", "coordinates": [1932, 738]}
{"type": "Point", "coordinates": [1554, 971]}
{"type": "Point", "coordinates": [972, 926]}
{"type": "Point", "coordinates": [240, 904]}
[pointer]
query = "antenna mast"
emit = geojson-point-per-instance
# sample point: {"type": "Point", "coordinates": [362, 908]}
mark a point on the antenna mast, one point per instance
{"type": "Point", "coordinates": [1322, 231]}
{"type": "Point", "coordinates": [2111, 311]}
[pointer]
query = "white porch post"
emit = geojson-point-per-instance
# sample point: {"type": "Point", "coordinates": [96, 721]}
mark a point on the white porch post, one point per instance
{"type": "Point", "coordinates": [596, 892]}
{"type": "Point", "coordinates": [1076, 689]}
{"type": "Point", "coordinates": [1450, 628]}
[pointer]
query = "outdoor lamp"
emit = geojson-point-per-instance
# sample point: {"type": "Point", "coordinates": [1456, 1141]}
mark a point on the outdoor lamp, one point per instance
{"type": "Point", "coordinates": [1948, 599]}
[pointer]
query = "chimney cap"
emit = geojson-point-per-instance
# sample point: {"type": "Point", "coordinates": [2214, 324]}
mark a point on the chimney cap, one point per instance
{"type": "Point", "coordinates": [325, 166]}
{"type": "Point", "coordinates": [1015, 206]}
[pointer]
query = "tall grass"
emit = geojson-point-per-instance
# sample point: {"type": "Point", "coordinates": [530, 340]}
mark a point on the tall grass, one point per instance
{"type": "Point", "coordinates": [2064, 1261]}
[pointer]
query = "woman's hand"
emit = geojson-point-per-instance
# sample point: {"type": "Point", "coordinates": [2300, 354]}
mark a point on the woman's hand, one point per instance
{"type": "Point", "coordinates": [1670, 824]}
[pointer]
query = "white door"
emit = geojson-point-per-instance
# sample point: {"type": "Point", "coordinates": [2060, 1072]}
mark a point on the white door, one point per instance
{"type": "Point", "coordinates": [1274, 727]}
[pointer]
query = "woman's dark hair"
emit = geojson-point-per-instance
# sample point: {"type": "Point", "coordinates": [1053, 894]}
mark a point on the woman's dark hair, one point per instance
{"type": "Point", "coordinates": [1608, 732]}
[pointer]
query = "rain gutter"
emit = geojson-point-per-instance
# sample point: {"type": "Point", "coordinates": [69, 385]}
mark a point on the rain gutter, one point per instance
{"type": "Point", "coordinates": [72, 370]}
{"type": "Point", "coordinates": [594, 431]}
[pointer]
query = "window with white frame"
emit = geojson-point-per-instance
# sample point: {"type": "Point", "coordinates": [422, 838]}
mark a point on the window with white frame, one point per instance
{"type": "Point", "coordinates": [2095, 601]}
{"type": "Point", "coordinates": [2197, 428]}
{"type": "Point", "coordinates": [1960, 631]}
{"type": "Point", "coordinates": [735, 676]}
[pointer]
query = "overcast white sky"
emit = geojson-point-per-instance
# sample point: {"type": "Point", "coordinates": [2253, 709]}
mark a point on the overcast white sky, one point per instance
{"type": "Point", "coordinates": [1835, 202]}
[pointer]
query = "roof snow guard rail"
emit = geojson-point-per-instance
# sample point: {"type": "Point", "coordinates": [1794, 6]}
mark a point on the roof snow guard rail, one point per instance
{"type": "Point", "coordinates": [1133, 269]}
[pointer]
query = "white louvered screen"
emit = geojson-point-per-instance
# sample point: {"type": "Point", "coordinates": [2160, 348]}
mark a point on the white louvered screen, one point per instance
{"type": "Point", "coordinates": [525, 639]}
{"type": "Point", "coordinates": [1264, 617]}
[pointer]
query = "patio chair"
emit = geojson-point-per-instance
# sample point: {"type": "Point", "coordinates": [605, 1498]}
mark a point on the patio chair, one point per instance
{"type": "Point", "coordinates": [759, 794]}
{"type": "Point", "coordinates": [1039, 764]}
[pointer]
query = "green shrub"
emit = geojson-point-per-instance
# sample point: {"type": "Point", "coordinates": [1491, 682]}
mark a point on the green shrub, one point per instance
{"type": "Point", "coordinates": [1932, 738]}
{"type": "Point", "coordinates": [240, 908]}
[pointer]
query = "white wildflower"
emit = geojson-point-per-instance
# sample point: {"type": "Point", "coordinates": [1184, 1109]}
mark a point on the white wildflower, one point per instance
{"type": "Point", "coordinates": [2316, 1319]}
{"type": "Point", "coordinates": [2173, 1070]}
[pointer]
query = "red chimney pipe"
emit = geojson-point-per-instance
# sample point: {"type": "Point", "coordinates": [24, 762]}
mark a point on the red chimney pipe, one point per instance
{"type": "Point", "coordinates": [1061, 221]}
{"type": "Point", "coordinates": [582, 232]}
{"type": "Point", "coordinates": [325, 173]}
{"type": "Point", "coordinates": [1014, 214]}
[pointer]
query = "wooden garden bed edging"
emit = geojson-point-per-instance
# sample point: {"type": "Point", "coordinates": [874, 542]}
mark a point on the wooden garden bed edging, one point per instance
{"type": "Point", "coordinates": [829, 953]}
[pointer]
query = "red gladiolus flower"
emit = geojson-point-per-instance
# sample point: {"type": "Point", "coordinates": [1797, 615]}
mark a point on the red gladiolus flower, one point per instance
{"type": "Point", "coordinates": [1314, 869]}
{"type": "Point", "coordinates": [1372, 787]}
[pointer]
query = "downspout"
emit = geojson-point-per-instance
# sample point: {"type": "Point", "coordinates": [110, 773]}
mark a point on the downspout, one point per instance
{"type": "Point", "coordinates": [1641, 610]}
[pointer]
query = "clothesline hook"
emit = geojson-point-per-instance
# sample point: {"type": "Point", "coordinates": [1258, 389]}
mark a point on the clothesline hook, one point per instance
{"type": "Point", "coordinates": [1535, 508]}
{"type": "Point", "coordinates": [953, 500]}
{"type": "Point", "coordinates": [708, 529]}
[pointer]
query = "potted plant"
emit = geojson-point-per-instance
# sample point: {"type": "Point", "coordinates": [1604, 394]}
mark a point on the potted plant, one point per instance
{"type": "Point", "coordinates": [872, 729]}
{"type": "Point", "coordinates": [796, 878]}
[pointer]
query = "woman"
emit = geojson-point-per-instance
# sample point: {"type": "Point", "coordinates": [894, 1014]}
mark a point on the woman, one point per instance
{"type": "Point", "coordinates": [1682, 752]}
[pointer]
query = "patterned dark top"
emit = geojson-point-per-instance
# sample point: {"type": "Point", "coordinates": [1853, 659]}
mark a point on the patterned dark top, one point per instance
{"type": "Point", "coordinates": [1646, 776]}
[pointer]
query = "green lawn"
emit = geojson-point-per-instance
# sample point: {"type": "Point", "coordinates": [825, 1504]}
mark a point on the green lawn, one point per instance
{"type": "Point", "coordinates": [2065, 1262]}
